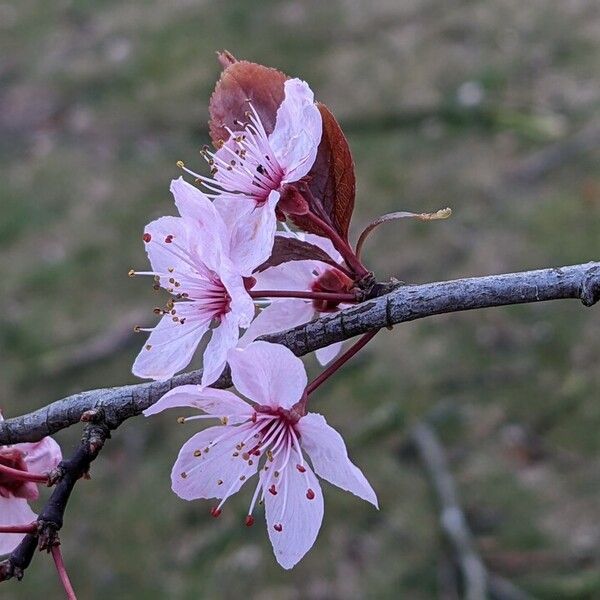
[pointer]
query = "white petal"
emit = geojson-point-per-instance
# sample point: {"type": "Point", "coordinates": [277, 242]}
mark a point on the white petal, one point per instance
{"type": "Point", "coordinates": [300, 517]}
{"type": "Point", "coordinates": [298, 130]}
{"type": "Point", "coordinates": [13, 511]}
{"type": "Point", "coordinates": [195, 206]}
{"type": "Point", "coordinates": [297, 275]}
{"type": "Point", "coordinates": [327, 354]}
{"type": "Point", "coordinates": [241, 305]}
{"type": "Point", "coordinates": [328, 454]}
{"type": "Point", "coordinates": [278, 316]}
{"type": "Point", "coordinates": [172, 346]}
{"type": "Point", "coordinates": [197, 473]}
{"type": "Point", "coordinates": [252, 230]}
{"type": "Point", "coordinates": [224, 337]}
{"type": "Point", "coordinates": [268, 374]}
{"type": "Point", "coordinates": [220, 403]}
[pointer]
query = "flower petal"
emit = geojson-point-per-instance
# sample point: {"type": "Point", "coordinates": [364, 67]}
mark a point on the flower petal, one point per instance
{"type": "Point", "coordinates": [298, 130]}
{"type": "Point", "coordinates": [293, 520]}
{"type": "Point", "coordinates": [252, 228]}
{"type": "Point", "coordinates": [220, 403]}
{"type": "Point", "coordinates": [327, 354]}
{"type": "Point", "coordinates": [171, 345]}
{"type": "Point", "coordinates": [279, 315]}
{"type": "Point", "coordinates": [328, 454]}
{"type": "Point", "coordinates": [224, 337]}
{"type": "Point", "coordinates": [298, 275]}
{"type": "Point", "coordinates": [13, 511]}
{"type": "Point", "coordinates": [195, 206]}
{"type": "Point", "coordinates": [40, 457]}
{"type": "Point", "coordinates": [241, 305]}
{"type": "Point", "coordinates": [203, 470]}
{"type": "Point", "coordinates": [268, 374]}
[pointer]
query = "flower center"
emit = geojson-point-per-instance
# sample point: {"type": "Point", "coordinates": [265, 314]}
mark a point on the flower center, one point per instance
{"type": "Point", "coordinates": [245, 164]}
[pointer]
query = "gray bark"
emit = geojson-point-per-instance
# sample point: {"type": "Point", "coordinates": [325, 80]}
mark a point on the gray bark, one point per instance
{"type": "Point", "coordinates": [402, 304]}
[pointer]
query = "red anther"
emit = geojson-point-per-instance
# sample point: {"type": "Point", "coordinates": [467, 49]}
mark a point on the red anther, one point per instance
{"type": "Point", "coordinates": [273, 490]}
{"type": "Point", "coordinates": [215, 512]}
{"type": "Point", "coordinates": [168, 239]}
{"type": "Point", "coordinates": [253, 419]}
{"type": "Point", "coordinates": [278, 527]}
{"type": "Point", "coordinates": [310, 494]}
{"type": "Point", "coordinates": [256, 452]}
{"type": "Point", "coordinates": [146, 237]}
{"type": "Point", "coordinates": [301, 468]}
{"type": "Point", "coordinates": [249, 521]}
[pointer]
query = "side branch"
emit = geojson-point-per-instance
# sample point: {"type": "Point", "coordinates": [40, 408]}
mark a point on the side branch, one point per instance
{"type": "Point", "coordinates": [402, 304]}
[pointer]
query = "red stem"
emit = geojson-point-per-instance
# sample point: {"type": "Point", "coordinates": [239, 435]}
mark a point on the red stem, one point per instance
{"type": "Point", "coordinates": [62, 572]}
{"type": "Point", "coordinates": [27, 528]}
{"type": "Point", "coordinates": [22, 475]}
{"type": "Point", "coordinates": [333, 296]}
{"type": "Point", "coordinates": [340, 244]}
{"type": "Point", "coordinates": [334, 366]}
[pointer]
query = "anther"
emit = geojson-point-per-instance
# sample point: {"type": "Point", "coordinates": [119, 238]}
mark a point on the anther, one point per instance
{"type": "Point", "coordinates": [249, 521]}
{"type": "Point", "coordinates": [310, 494]}
{"type": "Point", "coordinates": [215, 512]}
{"type": "Point", "coordinates": [137, 329]}
{"type": "Point", "coordinates": [146, 237]}
{"type": "Point", "coordinates": [278, 527]}
{"type": "Point", "coordinates": [181, 420]}
{"type": "Point", "coordinates": [181, 164]}
{"type": "Point", "coordinates": [301, 468]}
{"type": "Point", "coordinates": [184, 475]}
{"type": "Point", "coordinates": [219, 482]}
{"type": "Point", "coordinates": [273, 490]}
{"type": "Point", "coordinates": [197, 453]}
{"type": "Point", "coordinates": [131, 273]}
{"type": "Point", "coordinates": [169, 239]}
{"type": "Point", "coordinates": [148, 346]}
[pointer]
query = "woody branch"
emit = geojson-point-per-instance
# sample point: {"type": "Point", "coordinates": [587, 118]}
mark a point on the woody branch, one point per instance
{"type": "Point", "coordinates": [402, 304]}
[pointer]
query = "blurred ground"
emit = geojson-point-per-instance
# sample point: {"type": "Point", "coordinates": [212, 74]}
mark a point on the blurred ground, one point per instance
{"type": "Point", "coordinates": [492, 108]}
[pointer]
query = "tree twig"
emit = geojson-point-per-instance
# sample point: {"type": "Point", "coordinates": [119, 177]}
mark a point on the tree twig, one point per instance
{"type": "Point", "coordinates": [65, 476]}
{"type": "Point", "coordinates": [478, 583]}
{"type": "Point", "coordinates": [402, 304]}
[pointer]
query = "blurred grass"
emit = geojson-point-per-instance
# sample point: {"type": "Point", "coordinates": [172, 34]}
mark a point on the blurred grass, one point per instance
{"type": "Point", "coordinates": [443, 103]}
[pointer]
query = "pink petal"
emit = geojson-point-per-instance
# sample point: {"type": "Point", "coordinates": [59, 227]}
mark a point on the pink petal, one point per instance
{"type": "Point", "coordinates": [268, 374]}
{"type": "Point", "coordinates": [290, 510]}
{"type": "Point", "coordinates": [13, 511]}
{"type": "Point", "coordinates": [41, 457]}
{"type": "Point", "coordinates": [298, 130]}
{"type": "Point", "coordinates": [327, 354]}
{"type": "Point", "coordinates": [220, 403]}
{"type": "Point", "coordinates": [241, 305]}
{"type": "Point", "coordinates": [172, 345]}
{"type": "Point", "coordinates": [329, 457]}
{"type": "Point", "coordinates": [298, 275]}
{"type": "Point", "coordinates": [252, 230]}
{"type": "Point", "coordinates": [324, 243]}
{"type": "Point", "coordinates": [195, 206]}
{"type": "Point", "coordinates": [198, 475]}
{"type": "Point", "coordinates": [279, 315]}
{"type": "Point", "coordinates": [224, 337]}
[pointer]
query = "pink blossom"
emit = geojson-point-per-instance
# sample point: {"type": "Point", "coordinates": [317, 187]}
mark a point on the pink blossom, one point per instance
{"type": "Point", "coordinates": [202, 261]}
{"type": "Point", "coordinates": [302, 275]}
{"type": "Point", "coordinates": [251, 169]}
{"type": "Point", "coordinates": [40, 458]}
{"type": "Point", "coordinates": [268, 436]}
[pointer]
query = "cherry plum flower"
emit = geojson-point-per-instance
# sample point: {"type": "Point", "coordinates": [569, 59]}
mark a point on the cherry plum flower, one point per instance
{"type": "Point", "coordinates": [301, 275]}
{"type": "Point", "coordinates": [16, 492]}
{"type": "Point", "coordinates": [269, 435]}
{"type": "Point", "coordinates": [252, 168]}
{"type": "Point", "coordinates": [202, 261]}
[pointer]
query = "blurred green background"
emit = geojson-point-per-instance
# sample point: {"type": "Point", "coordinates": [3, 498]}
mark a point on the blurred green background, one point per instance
{"type": "Point", "coordinates": [490, 107]}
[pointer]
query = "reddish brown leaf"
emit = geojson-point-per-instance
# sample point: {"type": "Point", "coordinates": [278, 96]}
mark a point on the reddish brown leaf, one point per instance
{"type": "Point", "coordinates": [287, 249]}
{"type": "Point", "coordinates": [242, 81]}
{"type": "Point", "coordinates": [331, 179]}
